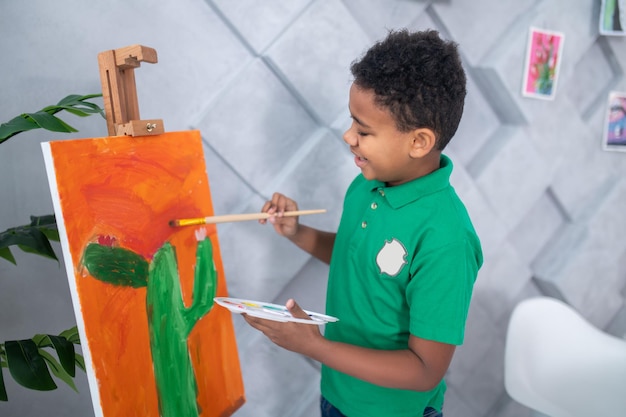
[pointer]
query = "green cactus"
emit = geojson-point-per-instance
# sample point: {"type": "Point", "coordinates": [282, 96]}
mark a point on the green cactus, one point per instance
{"type": "Point", "coordinates": [169, 321]}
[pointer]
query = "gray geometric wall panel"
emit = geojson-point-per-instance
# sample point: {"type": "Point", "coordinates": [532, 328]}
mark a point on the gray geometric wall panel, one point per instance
{"type": "Point", "coordinates": [266, 83]}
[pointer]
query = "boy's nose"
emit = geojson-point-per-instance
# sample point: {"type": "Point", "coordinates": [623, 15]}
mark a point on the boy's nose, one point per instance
{"type": "Point", "coordinates": [350, 138]}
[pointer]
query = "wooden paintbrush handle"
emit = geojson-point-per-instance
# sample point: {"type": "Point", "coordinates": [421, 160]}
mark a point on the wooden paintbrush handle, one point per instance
{"type": "Point", "coordinates": [226, 218]}
{"type": "Point", "coordinates": [256, 216]}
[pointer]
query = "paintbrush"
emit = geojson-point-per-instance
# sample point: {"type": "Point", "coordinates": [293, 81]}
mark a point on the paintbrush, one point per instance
{"type": "Point", "coordinates": [238, 217]}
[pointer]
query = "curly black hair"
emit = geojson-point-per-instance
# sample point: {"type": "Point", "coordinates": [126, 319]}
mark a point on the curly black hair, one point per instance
{"type": "Point", "coordinates": [419, 78]}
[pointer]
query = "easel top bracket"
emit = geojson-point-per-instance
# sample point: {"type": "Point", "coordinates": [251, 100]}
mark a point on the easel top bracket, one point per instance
{"type": "Point", "coordinates": [119, 91]}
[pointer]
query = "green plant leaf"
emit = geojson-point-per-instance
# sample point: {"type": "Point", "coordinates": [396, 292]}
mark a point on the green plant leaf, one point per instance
{"type": "Point", "coordinates": [82, 109]}
{"type": "Point", "coordinates": [78, 101]}
{"type": "Point", "coordinates": [47, 224]}
{"type": "Point", "coordinates": [77, 105]}
{"type": "Point", "coordinates": [3, 364]}
{"type": "Point", "coordinates": [29, 239]}
{"type": "Point", "coordinates": [14, 126]}
{"type": "Point", "coordinates": [6, 254]}
{"type": "Point", "coordinates": [71, 334]}
{"type": "Point", "coordinates": [63, 368]}
{"type": "Point", "coordinates": [47, 220]}
{"type": "Point", "coordinates": [50, 122]}
{"type": "Point", "coordinates": [27, 366]}
{"type": "Point", "coordinates": [58, 370]}
{"type": "Point", "coordinates": [116, 265]}
{"type": "Point", "coordinates": [33, 238]}
{"type": "Point", "coordinates": [64, 348]}
{"type": "Point", "coordinates": [73, 103]}
{"type": "Point", "coordinates": [3, 390]}
{"type": "Point", "coordinates": [76, 111]}
{"type": "Point", "coordinates": [80, 361]}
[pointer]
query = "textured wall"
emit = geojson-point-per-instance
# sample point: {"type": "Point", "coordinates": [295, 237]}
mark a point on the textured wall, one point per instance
{"type": "Point", "coordinates": [266, 83]}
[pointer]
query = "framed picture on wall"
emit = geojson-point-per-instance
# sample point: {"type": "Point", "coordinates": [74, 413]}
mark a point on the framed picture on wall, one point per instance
{"type": "Point", "coordinates": [613, 17]}
{"type": "Point", "coordinates": [614, 137]}
{"type": "Point", "coordinates": [543, 60]}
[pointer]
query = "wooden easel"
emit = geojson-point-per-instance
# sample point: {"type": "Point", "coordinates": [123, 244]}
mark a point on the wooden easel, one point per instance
{"type": "Point", "coordinates": [117, 75]}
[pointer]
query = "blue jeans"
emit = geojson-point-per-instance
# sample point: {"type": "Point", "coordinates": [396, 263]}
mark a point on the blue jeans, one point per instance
{"type": "Point", "coordinates": [329, 410]}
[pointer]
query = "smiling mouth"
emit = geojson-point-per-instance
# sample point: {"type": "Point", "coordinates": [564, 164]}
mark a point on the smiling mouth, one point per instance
{"type": "Point", "coordinates": [360, 161]}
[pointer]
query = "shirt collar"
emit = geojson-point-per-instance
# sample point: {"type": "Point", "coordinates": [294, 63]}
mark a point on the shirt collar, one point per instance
{"type": "Point", "coordinates": [406, 193]}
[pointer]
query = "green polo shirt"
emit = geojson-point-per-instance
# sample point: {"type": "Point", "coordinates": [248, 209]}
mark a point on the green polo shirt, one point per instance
{"type": "Point", "coordinates": [404, 262]}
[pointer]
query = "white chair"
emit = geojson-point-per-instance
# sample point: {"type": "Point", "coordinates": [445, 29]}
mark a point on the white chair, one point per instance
{"type": "Point", "coordinates": [559, 364]}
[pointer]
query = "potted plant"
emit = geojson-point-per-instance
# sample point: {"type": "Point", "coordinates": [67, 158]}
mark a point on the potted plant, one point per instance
{"type": "Point", "coordinates": [32, 362]}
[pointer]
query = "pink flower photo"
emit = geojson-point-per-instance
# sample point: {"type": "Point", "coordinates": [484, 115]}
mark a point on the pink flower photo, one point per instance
{"type": "Point", "coordinates": [542, 63]}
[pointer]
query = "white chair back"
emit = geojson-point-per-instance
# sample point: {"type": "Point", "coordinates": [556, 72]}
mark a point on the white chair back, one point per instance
{"type": "Point", "coordinates": [559, 364]}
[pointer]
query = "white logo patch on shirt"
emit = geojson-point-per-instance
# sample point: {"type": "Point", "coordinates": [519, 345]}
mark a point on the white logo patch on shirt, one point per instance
{"type": "Point", "coordinates": [391, 258]}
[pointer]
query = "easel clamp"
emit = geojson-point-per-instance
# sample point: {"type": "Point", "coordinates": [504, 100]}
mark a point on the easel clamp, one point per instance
{"type": "Point", "coordinates": [119, 91]}
{"type": "Point", "coordinates": [132, 56]}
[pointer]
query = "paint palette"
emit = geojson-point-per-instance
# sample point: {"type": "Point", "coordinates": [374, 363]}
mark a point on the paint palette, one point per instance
{"type": "Point", "coordinates": [270, 311]}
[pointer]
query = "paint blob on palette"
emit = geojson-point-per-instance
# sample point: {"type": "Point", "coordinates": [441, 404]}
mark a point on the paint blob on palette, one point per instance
{"type": "Point", "coordinates": [270, 311]}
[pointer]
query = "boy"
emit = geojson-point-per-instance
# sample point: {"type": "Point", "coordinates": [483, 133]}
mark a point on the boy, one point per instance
{"type": "Point", "coordinates": [405, 257]}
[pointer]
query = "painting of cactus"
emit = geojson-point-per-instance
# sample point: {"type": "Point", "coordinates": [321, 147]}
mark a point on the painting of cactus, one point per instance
{"type": "Point", "coordinates": [169, 321]}
{"type": "Point", "coordinates": [142, 290]}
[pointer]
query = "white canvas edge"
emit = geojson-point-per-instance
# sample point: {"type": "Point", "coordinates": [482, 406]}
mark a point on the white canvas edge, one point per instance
{"type": "Point", "coordinates": [69, 265]}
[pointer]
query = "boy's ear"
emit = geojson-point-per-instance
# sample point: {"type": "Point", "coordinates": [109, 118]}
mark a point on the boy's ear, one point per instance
{"type": "Point", "coordinates": [424, 141]}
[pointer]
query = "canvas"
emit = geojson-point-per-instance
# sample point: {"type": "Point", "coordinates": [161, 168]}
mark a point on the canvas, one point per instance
{"type": "Point", "coordinates": [153, 341]}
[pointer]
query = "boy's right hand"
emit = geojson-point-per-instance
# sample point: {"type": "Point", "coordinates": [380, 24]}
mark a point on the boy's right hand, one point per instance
{"type": "Point", "coordinates": [284, 226]}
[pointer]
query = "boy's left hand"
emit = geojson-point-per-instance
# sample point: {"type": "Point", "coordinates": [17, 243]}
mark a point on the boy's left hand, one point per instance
{"type": "Point", "coordinates": [297, 337]}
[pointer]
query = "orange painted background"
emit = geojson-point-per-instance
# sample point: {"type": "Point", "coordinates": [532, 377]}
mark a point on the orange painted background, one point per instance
{"type": "Point", "coordinates": [129, 189]}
